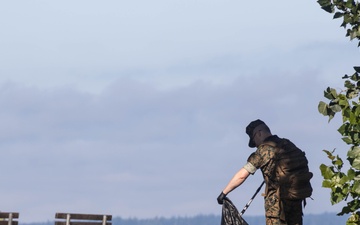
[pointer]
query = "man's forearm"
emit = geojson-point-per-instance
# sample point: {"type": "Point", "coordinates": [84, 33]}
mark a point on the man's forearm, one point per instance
{"type": "Point", "coordinates": [236, 181]}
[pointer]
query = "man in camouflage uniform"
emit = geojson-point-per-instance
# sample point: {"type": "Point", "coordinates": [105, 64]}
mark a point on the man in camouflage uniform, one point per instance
{"type": "Point", "coordinates": [277, 212]}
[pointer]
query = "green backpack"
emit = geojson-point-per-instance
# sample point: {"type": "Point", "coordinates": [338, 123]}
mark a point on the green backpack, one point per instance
{"type": "Point", "coordinates": [292, 171]}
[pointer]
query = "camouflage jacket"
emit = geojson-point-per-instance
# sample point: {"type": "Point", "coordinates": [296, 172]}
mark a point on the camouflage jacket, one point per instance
{"type": "Point", "coordinates": [262, 159]}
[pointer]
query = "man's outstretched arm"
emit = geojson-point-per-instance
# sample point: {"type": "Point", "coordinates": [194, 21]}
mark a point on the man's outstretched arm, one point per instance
{"type": "Point", "coordinates": [235, 182]}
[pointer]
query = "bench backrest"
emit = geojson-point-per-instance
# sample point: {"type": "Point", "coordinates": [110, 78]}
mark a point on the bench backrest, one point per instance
{"type": "Point", "coordinates": [9, 218]}
{"type": "Point", "coordinates": [82, 219]}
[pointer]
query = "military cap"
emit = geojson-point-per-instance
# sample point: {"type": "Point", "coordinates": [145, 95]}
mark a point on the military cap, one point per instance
{"type": "Point", "coordinates": [250, 129]}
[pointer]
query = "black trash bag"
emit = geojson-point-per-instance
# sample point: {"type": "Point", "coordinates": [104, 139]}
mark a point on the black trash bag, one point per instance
{"type": "Point", "coordinates": [230, 215]}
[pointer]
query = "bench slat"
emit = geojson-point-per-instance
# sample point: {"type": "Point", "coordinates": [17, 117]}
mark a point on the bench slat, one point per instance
{"type": "Point", "coordinates": [4, 215]}
{"type": "Point", "coordinates": [5, 222]}
{"type": "Point", "coordinates": [79, 223]}
{"type": "Point", "coordinates": [77, 216]}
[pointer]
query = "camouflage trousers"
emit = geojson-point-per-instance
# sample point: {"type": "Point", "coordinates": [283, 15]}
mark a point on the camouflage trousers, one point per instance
{"type": "Point", "coordinates": [290, 213]}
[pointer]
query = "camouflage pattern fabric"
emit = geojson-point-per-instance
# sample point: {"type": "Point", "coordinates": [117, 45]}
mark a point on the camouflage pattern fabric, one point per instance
{"type": "Point", "coordinates": [277, 212]}
{"type": "Point", "coordinates": [230, 215]}
{"type": "Point", "coordinates": [292, 212]}
{"type": "Point", "coordinates": [274, 221]}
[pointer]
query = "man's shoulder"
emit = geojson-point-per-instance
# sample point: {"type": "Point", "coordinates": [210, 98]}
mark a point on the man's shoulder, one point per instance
{"type": "Point", "coordinates": [266, 150]}
{"type": "Point", "coordinates": [275, 141]}
{"type": "Point", "coordinates": [268, 145]}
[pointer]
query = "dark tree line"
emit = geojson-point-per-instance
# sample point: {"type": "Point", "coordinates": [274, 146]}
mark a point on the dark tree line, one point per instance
{"type": "Point", "coordinates": [318, 219]}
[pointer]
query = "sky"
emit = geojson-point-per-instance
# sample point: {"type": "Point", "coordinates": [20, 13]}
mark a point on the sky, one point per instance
{"type": "Point", "coordinates": [139, 108]}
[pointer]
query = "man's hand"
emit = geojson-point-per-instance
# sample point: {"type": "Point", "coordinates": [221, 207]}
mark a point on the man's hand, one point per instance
{"type": "Point", "coordinates": [221, 198]}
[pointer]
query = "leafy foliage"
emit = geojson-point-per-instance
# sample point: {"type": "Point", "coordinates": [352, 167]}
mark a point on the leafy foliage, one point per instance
{"type": "Point", "coordinates": [345, 186]}
{"type": "Point", "coordinates": [349, 11]}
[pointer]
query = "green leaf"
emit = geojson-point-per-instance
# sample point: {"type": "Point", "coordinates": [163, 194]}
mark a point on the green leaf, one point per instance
{"type": "Point", "coordinates": [328, 8]}
{"type": "Point", "coordinates": [338, 162]}
{"type": "Point", "coordinates": [351, 174]}
{"type": "Point", "coordinates": [343, 25]}
{"type": "Point", "coordinates": [347, 140]}
{"type": "Point", "coordinates": [353, 34]}
{"type": "Point", "coordinates": [354, 152]}
{"type": "Point", "coordinates": [343, 180]}
{"type": "Point", "coordinates": [350, 4]}
{"type": "Point", "coordinates": [347, 18]}
{"type": "Point", "coordinates": [324, 2]}
{"type": "Point", "coordinates": [345, 210]}
{"type": "Point", "coordinates": [354, 155]}
{"type": "Point", "coordinates": [356, 163]}
{"type": "Point", "coordinates": [326, 184]}
{"type": "Point", "coordinates": [351, 223]}
{"type": "Point", "coordinates": [355, 77]}
{"type": "Point", "coordinates": [337, 196]}
{"type": "Point", "coordinates": [353, 219]}
{"type": "Point", "coordinates": [330, 154]}
{"type": "Point", "coordinates": [344, 103]}
{"type": "Point", "coordinates": [346, 114]}
{"type": "Point", "coordinates": [335, 108]}
{"type": "Point", "coordinates": [348, 33]}
{"type": "Point", "coordinates": [338, 15]}
{"type": "Point", "coordinates": [333, 92]}
{"type": "Point", "coordinates": [323, 108]}
{"type": "Point", "coordinates": [352, 118]}
{"type": "Point", "coordinates": [352, 93]}
{"type": "Point", "coordinates": [355, 138]}
{"type": "Point", "coordinates": [330, 93]}
{"type": "Point", "coordinates": [357, 69]}
{"type": "Point", "coordinates": [343, 130]}
{"type": "Point", "coordinates": [357, 111]}
{"type": "Point", "coordinates": [326, 171]}
{"type": "Point", "coordinates": [356, 187]}
{"type": "Point", "coordinates": [348, 84]}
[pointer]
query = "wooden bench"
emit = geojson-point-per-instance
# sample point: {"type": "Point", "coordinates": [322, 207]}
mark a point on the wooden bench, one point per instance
{"type": "Point", "coordinates": [9, 218]}
{"type": "Point", "coordinates": [81, 219]}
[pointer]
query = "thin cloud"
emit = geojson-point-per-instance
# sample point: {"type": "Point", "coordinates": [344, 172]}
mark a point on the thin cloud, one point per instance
{"type": "Point", "coordinates": [137, 142]}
